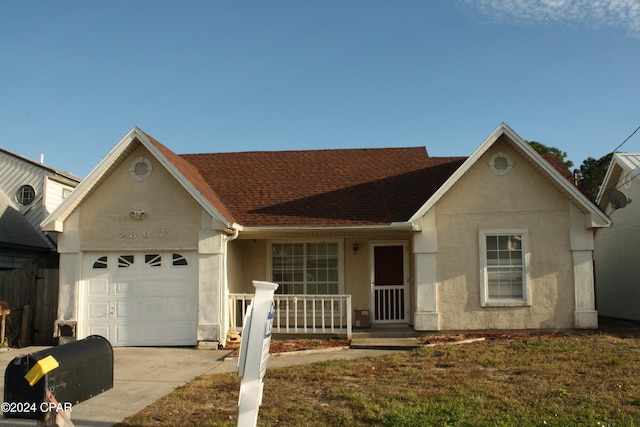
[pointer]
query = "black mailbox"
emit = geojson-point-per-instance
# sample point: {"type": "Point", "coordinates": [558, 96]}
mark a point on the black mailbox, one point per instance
{"type": "Point", "coordinates": [72, 372]}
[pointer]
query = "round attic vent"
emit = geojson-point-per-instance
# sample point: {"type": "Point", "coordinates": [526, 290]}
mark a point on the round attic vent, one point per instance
{"type": "Point", "coordinates": [140, 169]}
{"type": "Point", "coordinates": [500, 163]}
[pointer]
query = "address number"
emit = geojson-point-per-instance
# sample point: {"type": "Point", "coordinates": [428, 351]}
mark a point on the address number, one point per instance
{"type": "Point", "coordinates": [141, 234]}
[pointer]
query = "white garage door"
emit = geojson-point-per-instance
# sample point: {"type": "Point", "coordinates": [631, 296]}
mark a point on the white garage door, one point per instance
{"type": "Point", "coordinates": [141, 298]}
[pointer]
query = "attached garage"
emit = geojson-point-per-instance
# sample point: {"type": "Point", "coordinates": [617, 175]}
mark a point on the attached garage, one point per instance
{"type": "Point", "coordinates": [136, 298]}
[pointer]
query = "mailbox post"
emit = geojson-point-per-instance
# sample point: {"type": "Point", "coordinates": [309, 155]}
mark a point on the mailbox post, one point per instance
{"type": "Point", "coordinates": [254, 352]}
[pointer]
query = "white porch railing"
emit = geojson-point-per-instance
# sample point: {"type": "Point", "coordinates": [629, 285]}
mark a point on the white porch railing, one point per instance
{"type": "Point", "coordinates": [389, 304]}
{"type": "Point", "coordinates": [300, 314]}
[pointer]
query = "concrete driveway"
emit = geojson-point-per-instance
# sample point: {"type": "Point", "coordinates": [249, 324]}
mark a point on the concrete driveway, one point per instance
{"type": "Point", "coordinates": [141, 376]}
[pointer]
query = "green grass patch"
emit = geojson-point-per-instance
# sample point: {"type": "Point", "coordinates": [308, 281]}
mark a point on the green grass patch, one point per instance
{"type": "Point", "coordinates": [568, 380]}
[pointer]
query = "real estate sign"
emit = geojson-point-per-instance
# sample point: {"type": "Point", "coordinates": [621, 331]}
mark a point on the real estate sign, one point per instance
{"type": "Point", "coordinates": [254, 352]}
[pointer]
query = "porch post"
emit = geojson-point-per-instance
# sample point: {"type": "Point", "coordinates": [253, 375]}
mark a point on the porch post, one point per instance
{"type": "Point", "coordinates": [585, 315]}
{"type": "Point", "coordinates": [425, 247]}
{"type": "Point", "coordinates": [210, 269]}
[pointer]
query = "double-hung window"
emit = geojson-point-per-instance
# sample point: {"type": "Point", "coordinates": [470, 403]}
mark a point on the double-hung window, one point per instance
{"type": "Point", "coordinates": [504, 262]}
{"type": "Point", "coordinates": [306, 268]}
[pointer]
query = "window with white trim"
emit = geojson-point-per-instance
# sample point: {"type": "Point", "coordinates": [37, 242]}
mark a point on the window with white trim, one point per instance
{"type": "Point", "coordinates": [504, 267]}
{"type": "Point", "coordinates": [306, 268]}
{"type": "Point", "coordinates": [25, 195]}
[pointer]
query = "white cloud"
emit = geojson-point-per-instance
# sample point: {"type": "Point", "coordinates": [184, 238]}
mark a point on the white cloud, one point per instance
{"type": "Point", "coordinates": [598, 13]}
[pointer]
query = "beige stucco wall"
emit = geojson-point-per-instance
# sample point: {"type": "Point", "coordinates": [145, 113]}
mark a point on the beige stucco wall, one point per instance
{"type": "Point", "coordinates": [616, 259]}
{"type": "Point", "coordinates": [174, 221]}
{"type": "Point", "coordinates": [247, 262]}
{"type": "Point", "coordinates": [521, 199]}
{"type": "Point", "coordinates": [173, 217]}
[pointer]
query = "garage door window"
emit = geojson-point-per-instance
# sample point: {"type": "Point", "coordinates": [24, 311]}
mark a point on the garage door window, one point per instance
{"type": "Point", "coordinates": [100, 262]}
{"type": "Point", "coordinates": [125, 261]}
{"type": "Point", "coordinates": [179, 260]}
{"type": "Point", "coordinates": [153, 260]}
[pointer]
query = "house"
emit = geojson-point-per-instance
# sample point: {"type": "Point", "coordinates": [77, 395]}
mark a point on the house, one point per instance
{"type": "Point", "coordinates": [29, 192]}
{"type": "Point", "coordinates": [154, 245]}
{"type": "Point", "coordinates": [616, 264]}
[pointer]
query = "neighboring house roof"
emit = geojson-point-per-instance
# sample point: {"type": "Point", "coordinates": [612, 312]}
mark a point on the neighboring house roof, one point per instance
{"type": "Point", "coordinates": [53, 171]}
{"type": "Point", "coordinates": [16, 232]}
{"type": "Point", "coordinates": [317, 188]}
{"type": "Point", "coordinates": [19, 224]}
{"type": "Point", "coordinates": [623, 166]}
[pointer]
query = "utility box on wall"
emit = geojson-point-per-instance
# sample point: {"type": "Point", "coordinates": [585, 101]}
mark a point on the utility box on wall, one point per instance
{"type": "Point", "coordinates": [362, 319]}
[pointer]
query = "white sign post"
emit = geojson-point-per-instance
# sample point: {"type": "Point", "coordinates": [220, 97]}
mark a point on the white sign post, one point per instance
{"type": "Point", "coordinates": [254, 352]}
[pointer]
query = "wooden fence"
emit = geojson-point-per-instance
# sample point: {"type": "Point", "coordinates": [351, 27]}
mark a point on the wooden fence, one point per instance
{"type": "Point", "coordinates": [31, 293]}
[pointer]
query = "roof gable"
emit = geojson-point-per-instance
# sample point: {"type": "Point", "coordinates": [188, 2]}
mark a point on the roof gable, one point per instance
{"type": "Point", "coordinates": [554, 173]}
{"type": "Point", "coordinates": [625, 165]}
{"type": "Point", "coordinates": [186, 175]}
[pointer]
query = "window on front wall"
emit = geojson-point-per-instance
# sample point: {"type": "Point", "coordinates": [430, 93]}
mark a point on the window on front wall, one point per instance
{"type": "Point", "coordinates": [503, 260]}
{"type": "Point", "coordinates": [305, 268]}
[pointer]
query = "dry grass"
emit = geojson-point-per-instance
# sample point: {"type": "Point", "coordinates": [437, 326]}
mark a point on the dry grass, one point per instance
{"type": "Point", "coordinates": [558, 380]}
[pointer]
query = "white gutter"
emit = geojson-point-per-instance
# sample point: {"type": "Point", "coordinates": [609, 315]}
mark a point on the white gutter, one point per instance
{"type": "Point", "coordinates": [394, 226]}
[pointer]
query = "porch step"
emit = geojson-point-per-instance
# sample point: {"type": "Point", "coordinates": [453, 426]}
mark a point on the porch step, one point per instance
{"type": "Point", "coordinates": [384, 343]}
{"type": "Point", "coordinates": [386, 332]}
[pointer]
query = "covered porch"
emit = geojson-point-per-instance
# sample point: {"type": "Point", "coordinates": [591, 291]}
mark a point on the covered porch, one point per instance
{"type": "Point", "coordinates": [322, 314]}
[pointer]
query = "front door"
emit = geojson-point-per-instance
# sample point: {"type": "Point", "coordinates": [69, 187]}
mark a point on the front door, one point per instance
{"type": "Point", "coordinates": [390, 282]}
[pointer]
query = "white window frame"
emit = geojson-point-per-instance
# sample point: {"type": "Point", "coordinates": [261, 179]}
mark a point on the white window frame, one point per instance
{"type": "Point", "coordinates": [340, 243]}
{"type": "Point", "coordinates": [485, 300]}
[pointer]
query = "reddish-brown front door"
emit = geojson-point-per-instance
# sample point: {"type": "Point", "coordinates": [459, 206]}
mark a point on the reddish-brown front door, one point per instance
{"type": "Point", "coordinates": [390, 290]}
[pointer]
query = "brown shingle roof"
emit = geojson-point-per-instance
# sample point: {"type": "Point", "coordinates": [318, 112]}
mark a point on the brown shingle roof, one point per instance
{"type": "Point", "coordinates": [320, 187]}
{"type": "Point", "coordinates": [559, 165]}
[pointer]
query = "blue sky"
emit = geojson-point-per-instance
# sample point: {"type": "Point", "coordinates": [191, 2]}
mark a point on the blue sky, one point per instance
{"type": "Point", "coordinates": [213, 76]}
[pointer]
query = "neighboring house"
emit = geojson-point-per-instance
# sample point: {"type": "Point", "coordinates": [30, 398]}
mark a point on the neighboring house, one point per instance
{"type": "Point", "coordinates": [29, 192]}
{"type": "Point", "coordinates": [616, 257]}
{"type": "Point", "coordinates": [153, 244]}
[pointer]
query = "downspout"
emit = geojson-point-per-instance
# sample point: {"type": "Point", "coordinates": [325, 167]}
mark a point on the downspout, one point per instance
{"type": "Point", "coordinates": [232, 234]}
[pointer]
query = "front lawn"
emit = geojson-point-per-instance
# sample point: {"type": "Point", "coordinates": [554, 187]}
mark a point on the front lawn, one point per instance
{"type": "Point", "coordinates": [555, 380]}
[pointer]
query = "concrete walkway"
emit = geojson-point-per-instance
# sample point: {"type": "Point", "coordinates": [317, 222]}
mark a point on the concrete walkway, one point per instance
{"type": "Point", "coordinates": [143, 375]}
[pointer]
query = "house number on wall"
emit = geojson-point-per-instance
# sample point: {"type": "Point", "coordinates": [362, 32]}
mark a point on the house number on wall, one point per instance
{"type": "Point", "coordinates": [144, 234]}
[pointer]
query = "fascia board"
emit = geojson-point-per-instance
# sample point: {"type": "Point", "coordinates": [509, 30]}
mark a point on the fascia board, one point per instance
{"type": "Point", "coordinates": [471, 160]}
{"type": "Point", "coordinates": [608, 177]}
{"type": "Point", "coordinates": [598, 218]}
{"type": "Point", "coordinates": [54, 221]}
{"type": "Point", "coordinates": [186, 184]}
